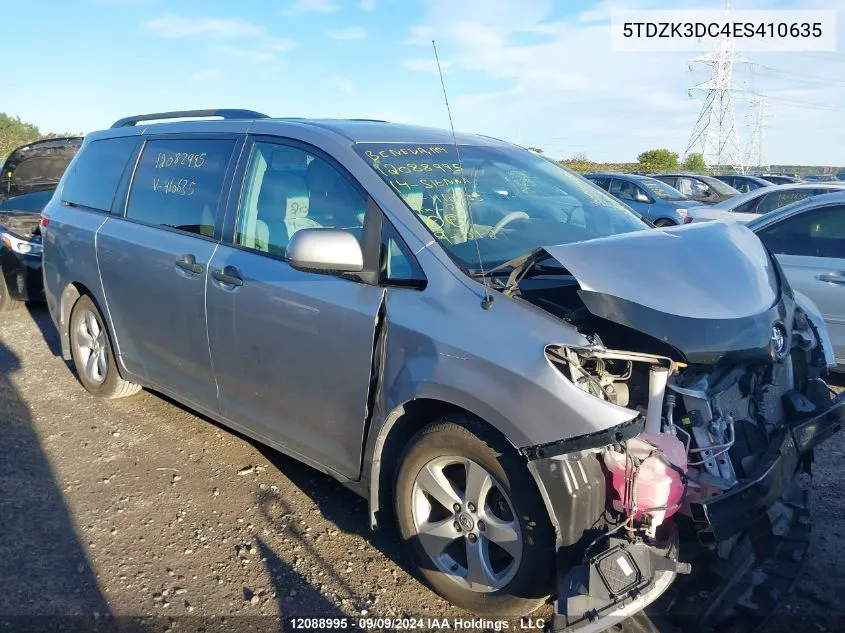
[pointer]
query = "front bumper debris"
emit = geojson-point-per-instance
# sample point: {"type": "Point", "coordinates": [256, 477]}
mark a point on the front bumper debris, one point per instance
{"type": "Point", "coordinates": [733, 512]}
{"type": "Point", "coordinates": [763, 525]}
{"type": "Point", "coordinates": [623, 579]}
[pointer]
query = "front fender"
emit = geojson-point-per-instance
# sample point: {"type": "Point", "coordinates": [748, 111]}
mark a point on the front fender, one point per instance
{"type": "Point", "coordinates": [815, 316]}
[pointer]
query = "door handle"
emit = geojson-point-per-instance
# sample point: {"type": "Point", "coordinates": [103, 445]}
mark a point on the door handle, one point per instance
{"type": "Point", "coordinates": [229, 275]}
{"type": "Point", "coordinates": [189, 263]}
{"type": "Point", "coordinates": [832, 278]}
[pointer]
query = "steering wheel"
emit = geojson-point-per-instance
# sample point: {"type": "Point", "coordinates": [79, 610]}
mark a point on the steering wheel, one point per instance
{"type": "Point", "coordinates": [510, 217]}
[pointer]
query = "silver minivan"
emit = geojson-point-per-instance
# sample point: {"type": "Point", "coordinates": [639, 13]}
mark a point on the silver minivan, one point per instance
{"type": "Point", "coordinates": [548, 396]}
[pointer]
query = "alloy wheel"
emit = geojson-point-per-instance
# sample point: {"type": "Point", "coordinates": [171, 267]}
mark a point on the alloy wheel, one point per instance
{"type": "Point", "coordinates": [466, 524]}
{"type": "Point", "coordinates": [91, 347]}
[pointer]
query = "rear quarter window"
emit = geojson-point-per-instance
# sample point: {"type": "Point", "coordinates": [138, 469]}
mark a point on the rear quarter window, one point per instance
{"type": "Point", "coordinates": [93, 177]}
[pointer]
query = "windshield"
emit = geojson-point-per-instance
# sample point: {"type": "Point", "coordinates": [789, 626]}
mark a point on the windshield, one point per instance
{"type": "Point", "coordinates": [508, 199]}
{"type": "Point", "coordinates": [661, 189]}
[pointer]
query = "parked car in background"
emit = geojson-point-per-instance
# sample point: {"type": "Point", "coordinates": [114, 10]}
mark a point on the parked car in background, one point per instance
{"type": "Point", "coordinates": [749, 205]}
{"type": "Point", "coordinates": [653, 199]}
{"type": "Point", "coordinates": [743, 183]}
{"type": "Point", "coordinates": [20, 249]}
{"type": "Point", "coordinates": [808, 238]}
{"type": "Point", "coordinates": [778, 179]}
{"type": "Point", "coordinates": [37, 166]}
{"type": "Point", "coordinates": [704, 189]}
{"type": "Point", "coordinates": [841, 175]}
{"type": "Point", "coordinates": [510, 337]}
{"type": "Point", "coordinates": [820, 178]}
{"type": "Point", "coordinates": [28, 179]}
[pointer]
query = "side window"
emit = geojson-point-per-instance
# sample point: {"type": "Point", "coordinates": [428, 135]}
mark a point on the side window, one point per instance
{"type": "Point", "coordinates": [818, 233]}
{"type": "Point", "coordinates": [743, 186]}
{"type": "Point", "coordinates": [778, 199]}
{"type": "Point", "coordinates": [287, 189]}
{"type": "Point", "coordinates": [93, 177]}
{"type": "Point", "coordinates": [398, 265]}
{"type": "Point", "coordinates": [602, 182]}
{"type": "Point", "coordinates": [697, 188]}
{"type": "Point", "coordinates": [685, 186]}
{"type": "Point", "coordinates": [178, 183]}
{"type": "Point", "coordinates": [747, 207]}
{"type": "Point", "coordinates": [622, 189]}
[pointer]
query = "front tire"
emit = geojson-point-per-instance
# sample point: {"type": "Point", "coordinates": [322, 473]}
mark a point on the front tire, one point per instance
{"type": "Point", "coordinates": [474, 521]}
{"type": "Point", "coordinates": [92, 353]}
{"type": "Point", "coordinates": [7, 304]}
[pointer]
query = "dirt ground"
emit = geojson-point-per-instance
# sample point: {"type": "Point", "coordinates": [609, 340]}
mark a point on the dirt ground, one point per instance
{"type": "Point", "coordinates": [140, 508]}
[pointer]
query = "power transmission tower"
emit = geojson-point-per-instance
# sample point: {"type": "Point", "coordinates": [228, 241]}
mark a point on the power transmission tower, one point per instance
{"type": "Point", "coordinates": [756, 157]}
{"type": "Point", "coordinates": [715, 133]}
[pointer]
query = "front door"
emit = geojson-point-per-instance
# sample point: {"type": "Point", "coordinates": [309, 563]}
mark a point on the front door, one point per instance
{"type": "Point", "coordinates": [154, 264]}
{"type": "Point", "coordinates": [292, 351]}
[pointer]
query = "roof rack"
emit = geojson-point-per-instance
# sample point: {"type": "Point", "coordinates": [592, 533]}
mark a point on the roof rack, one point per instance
{"type": "Point", "coordinates": [179, 114]}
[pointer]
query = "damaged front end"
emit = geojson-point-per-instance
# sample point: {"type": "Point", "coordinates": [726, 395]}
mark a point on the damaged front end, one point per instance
{"type": "Point", "coordinates": [702, 483]}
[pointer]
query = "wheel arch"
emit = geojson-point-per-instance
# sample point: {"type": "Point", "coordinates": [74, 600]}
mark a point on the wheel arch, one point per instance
{"type": "Point", "coordinates": [392, 436]}
{"type": "Point", "coordinates": [70, 295]}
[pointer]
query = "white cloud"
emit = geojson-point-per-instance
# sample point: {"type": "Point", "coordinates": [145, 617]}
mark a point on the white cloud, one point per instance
{"type": "Point", "coordinates": [557, 85]}
{"type": "Point", "coordinates": [206, 74]}
{"type": "Point", "coordinates": [348, 33]}
{"type": "Point", "coordinates": [278, 44]}
{"type": "Point", "coordinates": [311, 6]}
{"type": "Point", "coordinates": [368, 5]}
{"type": "Point", "coordinates": [170, 25]}
{"type": "Point", "coordinates": [344, 84]}
{"type": "Point", "coordinates": [260, 47]}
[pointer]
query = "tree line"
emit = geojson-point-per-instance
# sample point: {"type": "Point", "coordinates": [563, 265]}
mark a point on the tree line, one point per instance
{"type": "Point", "coordinates": [14, 132]}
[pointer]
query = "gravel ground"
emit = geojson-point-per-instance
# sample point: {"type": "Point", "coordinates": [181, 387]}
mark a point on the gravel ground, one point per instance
{"type": "Point", "coordinates": [140, 508]}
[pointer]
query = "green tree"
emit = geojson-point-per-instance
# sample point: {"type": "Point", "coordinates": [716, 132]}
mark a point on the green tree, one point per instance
{"type": "Point", "coordinates": [694, 162]}
{"type": "Point", "coordinates": [536, 150]}
{"type": "Point", "coordinates": [14, 132]}
{"type": "Point", "coordinates": [654, 160]}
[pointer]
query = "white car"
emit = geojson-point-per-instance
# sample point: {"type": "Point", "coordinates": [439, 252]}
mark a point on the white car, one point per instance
{"type": "Point", "coordinates": [750, 205]}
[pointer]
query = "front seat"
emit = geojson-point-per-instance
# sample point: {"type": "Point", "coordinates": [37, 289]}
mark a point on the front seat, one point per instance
{"type": "Point", "coordinates": [282, 197]}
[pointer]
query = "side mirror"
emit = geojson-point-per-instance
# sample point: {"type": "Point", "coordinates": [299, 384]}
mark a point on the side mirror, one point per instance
{"type": "Point", "coordinates": [641, 197]}
{"type": "Point", "coordinates": [325, 251]}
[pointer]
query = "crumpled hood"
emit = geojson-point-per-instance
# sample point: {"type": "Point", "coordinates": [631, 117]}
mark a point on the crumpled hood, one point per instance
{"type": "Point", "coordinates": [713, 270]}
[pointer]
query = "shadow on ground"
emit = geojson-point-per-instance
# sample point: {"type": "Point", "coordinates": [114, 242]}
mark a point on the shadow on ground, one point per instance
{"type": "Point", "coordinates": [44, 570]}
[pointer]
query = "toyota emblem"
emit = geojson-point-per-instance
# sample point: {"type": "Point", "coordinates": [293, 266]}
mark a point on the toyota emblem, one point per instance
{"type": "Point", "coordinates": [778, 342]}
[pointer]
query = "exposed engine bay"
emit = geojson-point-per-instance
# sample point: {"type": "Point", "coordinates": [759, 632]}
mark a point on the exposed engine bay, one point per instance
{"type": "Point", "coordinates": [727, 410]}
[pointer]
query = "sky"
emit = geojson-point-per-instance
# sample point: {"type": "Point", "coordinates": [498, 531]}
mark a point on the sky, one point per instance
{"type": "Point", "coordinates": [535, 72]}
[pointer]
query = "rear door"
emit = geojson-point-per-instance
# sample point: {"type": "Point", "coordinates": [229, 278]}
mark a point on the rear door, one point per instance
{"type": "Point", "coordinates": [154, 261]}
{"type": "Point", "coordinates": [811, 249]}
{"type": "Point", "coordinates": [293, 350]}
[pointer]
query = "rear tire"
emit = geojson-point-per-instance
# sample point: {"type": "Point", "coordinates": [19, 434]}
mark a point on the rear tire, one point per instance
{"type": "Point", "coordinates": [663, 222]}
{"type": "Point", "coordinates": [494, 557]}
{"type": "Point", "coordinates": [91, 349]}
{"type": "Point", "coordinates": [7, 303]}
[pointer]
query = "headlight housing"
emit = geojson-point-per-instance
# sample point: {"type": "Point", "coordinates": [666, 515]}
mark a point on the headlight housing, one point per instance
{"type": "Point", "coordinates": [22, 247]}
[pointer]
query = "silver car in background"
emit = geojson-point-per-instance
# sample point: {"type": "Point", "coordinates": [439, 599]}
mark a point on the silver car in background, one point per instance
{"type": "Point", "coordinates": [808, 238]}
{"type": "Point", "coordinates": [752, 204]}
{"type": "Point", "coordinates": [497, 354]}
